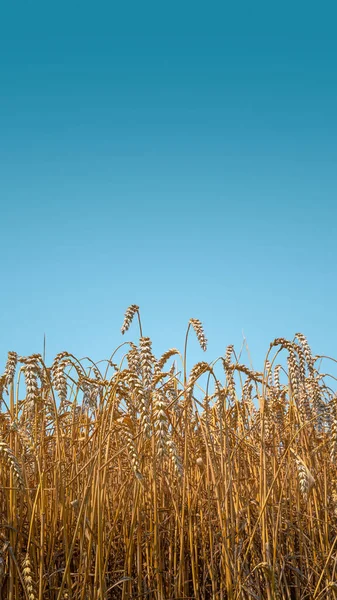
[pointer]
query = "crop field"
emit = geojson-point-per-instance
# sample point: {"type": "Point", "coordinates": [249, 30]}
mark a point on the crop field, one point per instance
{"type": "Point", "coordinates": [145, 480]}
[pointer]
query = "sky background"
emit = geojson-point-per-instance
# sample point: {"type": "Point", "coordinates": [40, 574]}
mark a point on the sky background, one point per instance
{"type": "Point", "coordinates": [180, 156]}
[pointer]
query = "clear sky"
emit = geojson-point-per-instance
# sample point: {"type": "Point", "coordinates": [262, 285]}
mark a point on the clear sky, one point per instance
{"type": "Point", "coordinates": [181, 156]}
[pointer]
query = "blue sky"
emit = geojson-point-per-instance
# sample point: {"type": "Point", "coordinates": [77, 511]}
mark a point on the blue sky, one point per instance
{"type": "Point", "coordinates": [180, 156]}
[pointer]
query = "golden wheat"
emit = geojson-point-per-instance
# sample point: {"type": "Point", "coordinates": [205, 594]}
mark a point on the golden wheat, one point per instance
{"type": "Point", "coordinates": [199, 330]}
{"type": "Point", "coordinates": [130, 313]}
{"type": "Point", "coordinates": [162, 483]}
{"type": "Point", "coordinates": [8, 458]}
{"type": "Point", "coordinates": [28, 578]}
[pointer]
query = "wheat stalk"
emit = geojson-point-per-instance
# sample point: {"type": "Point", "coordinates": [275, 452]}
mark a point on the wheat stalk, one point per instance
{"type": "Point", "coordinates": [10, 368]}
{"type": "Point", "coordinates": [199, 330]}
{"type": "Point", "coordinates": [27, 572]}
{"type": "Point", "coordinates": [8, 457]}
{"type": "Point", "coordinates": [129, 314]}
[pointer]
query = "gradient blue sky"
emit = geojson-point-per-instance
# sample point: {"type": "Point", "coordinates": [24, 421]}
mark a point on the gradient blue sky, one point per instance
{"type": "Point", "coordinates": [181, 156]}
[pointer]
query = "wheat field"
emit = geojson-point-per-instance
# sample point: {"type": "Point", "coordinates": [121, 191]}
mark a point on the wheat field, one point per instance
{"type": "Point", "coordinates": [144, 480]}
